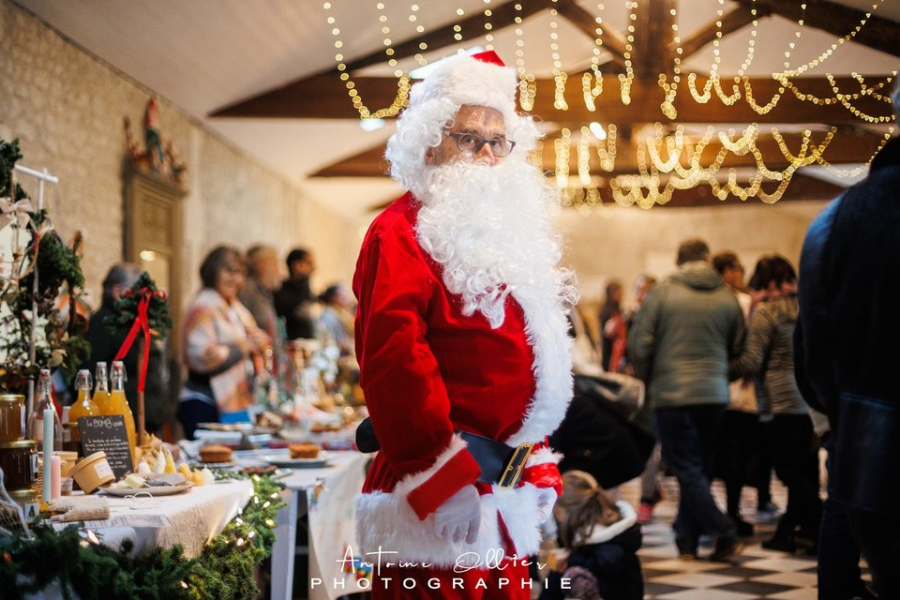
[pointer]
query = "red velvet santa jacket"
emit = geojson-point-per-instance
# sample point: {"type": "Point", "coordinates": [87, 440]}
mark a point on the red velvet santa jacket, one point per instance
{"type": "Point", "coordinates": [426, 369]}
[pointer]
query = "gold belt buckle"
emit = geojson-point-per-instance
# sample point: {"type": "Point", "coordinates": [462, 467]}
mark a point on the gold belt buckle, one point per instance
{"type": "Point", "coordinates": [515, 466]}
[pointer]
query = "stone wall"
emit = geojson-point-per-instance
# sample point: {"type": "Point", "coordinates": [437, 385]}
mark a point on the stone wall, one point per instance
{"type": "Point", "coordinates": [67, 109]}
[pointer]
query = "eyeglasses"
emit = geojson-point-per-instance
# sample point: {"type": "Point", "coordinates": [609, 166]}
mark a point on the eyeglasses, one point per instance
{"type": "Point", "coordinates": [471, 143]}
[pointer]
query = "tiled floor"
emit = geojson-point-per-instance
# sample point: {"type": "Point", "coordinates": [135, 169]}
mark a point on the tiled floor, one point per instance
{"type": "Point", "coordinates": [757, 573]}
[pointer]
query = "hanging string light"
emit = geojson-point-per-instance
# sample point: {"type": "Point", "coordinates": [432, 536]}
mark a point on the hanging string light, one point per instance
{"type": "Point", "coordinates": [591, 90]}
{"type": "Point", "coordinates": [403, 83]}
{"type": "Point", "coordinates": [527, 86]}
{"type": "Point", "coordinates": [627, 79]}
{"type": "Point", "coordinates": [559, 76]}
{"type": "Point", "coordinates": [488, 27]}
{"type": "Point", "coordinates": [420, 29]}
{"type": "Point", "coordinates": [671, 89]}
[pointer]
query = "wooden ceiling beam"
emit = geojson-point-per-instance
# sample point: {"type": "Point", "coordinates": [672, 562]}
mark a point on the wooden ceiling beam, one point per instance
{"type": "Point", "coordinates": [878, 33]}
{"type": "Point", "coordinates": [734, 20]}
{"type": "Point", "coordinates": [612, 40]}
{"type": "Point", "coordinates": [654, 22]}
{"type": "Point", "coordinates": [849, 149]}
{"type": "Point", "coordinates": [325, 97]}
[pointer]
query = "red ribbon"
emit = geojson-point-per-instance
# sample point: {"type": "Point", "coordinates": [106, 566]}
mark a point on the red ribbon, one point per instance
{"type": "Point", "coordinates": [141, 323]}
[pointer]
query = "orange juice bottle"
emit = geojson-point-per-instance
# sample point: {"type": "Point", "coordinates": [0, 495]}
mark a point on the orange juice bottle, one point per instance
{"type": "Point", "coordinates": [118, 405]}
{"type": "Point", "coordinates": [84, 406]}
{"type": "Point", "coordinates": [101, 389]}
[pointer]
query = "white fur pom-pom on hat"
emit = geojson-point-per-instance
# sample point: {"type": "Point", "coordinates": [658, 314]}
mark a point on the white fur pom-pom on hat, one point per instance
{"type": "Point", "coordinates": [478, 80]}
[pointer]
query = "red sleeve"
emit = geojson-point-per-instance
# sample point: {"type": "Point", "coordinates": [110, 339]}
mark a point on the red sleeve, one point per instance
{"type": "Point", "coordinates": [405, 394]}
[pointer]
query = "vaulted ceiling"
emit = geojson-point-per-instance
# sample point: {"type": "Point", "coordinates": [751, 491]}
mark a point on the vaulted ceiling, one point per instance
{"type": "Point", "coordinates": [264, 75]}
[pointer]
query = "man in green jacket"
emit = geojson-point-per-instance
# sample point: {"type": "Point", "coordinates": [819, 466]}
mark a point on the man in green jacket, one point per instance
{"type": "Point", "coordinates": [680, 344]}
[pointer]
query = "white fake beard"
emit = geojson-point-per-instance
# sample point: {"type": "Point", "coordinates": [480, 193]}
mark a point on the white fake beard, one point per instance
{"type": "Point", "coordinates": [490, 228]}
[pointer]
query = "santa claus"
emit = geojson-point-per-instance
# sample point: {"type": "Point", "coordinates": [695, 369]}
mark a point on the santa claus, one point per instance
{"type": "Point", "coordinates": [463, 346]}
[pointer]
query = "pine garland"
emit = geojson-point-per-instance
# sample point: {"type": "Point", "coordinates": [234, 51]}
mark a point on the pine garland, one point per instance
{"type": "Point", "coordinates": [224, 570]}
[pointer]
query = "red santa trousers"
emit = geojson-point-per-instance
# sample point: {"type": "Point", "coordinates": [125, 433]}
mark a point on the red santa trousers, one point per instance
{"type": "Point", "coordinates": [509, 581]}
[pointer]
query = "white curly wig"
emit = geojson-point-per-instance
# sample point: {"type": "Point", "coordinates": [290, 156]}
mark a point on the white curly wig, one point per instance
{"type": "Point", "coordinates": [479, 80]}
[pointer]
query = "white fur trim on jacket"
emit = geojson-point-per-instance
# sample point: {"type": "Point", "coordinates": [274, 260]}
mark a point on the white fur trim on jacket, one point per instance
{"type": "Point", "coordinates": [411, 482]}
{"type": "Point", "coordinates": [543, 456]}
{"type": "Point", "coordinates": [547, 331]}
{"type": "Point", "coordinates": [386, 523]}
{"type": "Point", "coordinates": [602, 533]}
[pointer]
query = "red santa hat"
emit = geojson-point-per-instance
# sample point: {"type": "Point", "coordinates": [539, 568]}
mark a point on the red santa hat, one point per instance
{"type": "Point", "coordinates": [478, 80]}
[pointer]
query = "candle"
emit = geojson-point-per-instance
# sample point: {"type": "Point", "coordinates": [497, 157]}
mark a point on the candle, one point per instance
{"type": "Point", "coordinates": [48, 452]}
{"type": "Point", "coordinates": [55, 477]}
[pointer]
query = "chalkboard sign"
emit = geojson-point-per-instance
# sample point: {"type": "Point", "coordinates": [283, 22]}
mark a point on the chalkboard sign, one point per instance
{"type": "Point", "coordinates": [108, 434]}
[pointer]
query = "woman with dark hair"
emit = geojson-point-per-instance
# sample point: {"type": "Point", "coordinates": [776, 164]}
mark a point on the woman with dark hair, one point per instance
{"type": "Point", "coordinates": [769, 357]}
{"type": "Point", "coordinates": [220, 337]}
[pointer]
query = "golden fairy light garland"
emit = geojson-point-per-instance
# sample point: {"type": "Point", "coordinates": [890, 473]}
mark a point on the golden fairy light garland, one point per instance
{"type": "Point", "coordinates": [627, 79]}
{"type": "Point", "coordinates": [667, 163]}
{"type": "Point", "coordinates": [403, 82]}
{"type": "Point", "coordinates": [591, 90]}
{"type": "Point", "coordinates": [559, 76]}
{"type": "Point", "coordinates": [784, 76]}
{"type": "Point", "coordinates": [527, 86]}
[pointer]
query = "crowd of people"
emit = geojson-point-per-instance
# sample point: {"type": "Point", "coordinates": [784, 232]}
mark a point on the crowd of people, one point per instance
{"type": "Point", "coordinates": [226, 333]}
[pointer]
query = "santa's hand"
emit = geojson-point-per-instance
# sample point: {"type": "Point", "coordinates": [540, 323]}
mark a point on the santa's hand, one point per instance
{"type": "Point", "coordinates": [459, 517]}
{"type": "Point", "coordinates": [545, 501]}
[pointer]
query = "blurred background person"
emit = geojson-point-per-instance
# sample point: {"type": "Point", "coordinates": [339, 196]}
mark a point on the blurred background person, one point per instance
{"type": "Point", "coordinates": [258, 293]}
{"type": "Point", "coordinates": [613, 332]}
{"type": "Point", "coordinates": [769, 357]}
{"type": "Point", "coordinates": [680, 344]}
{"type": "Point", "coordinates": [741, 434]}
{"type": "Point", "coordinates": [335, 322]}
{"type": "Point", "coordinates": [294, 301]}
{"type": "Point", "coordinates": [105, 343]}
{"type": "Point", "coordinates": [651, 484]}
{"type": "Point", "coordinates": [220, 338]}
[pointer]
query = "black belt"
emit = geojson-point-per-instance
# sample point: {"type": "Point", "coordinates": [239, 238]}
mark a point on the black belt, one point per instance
{"type": "Point", "coordinates": [500, 463]}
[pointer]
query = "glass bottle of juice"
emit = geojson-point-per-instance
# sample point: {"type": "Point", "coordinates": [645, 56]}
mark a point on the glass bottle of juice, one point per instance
{"type": "Point", "coordinates": [118, 404]}
{"type": "Point", "coordinates": [84, 406]}
{"type": "Point", "coordinates": [36, 420]}
{"type": "Point", "coordinates": [101, 389]}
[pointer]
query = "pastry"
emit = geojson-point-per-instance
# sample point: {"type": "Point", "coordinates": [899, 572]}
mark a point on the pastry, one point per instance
{"type": "Point", "coordinates": [303, 450]}
{"type": "Point", "coordinates": [215, 453]}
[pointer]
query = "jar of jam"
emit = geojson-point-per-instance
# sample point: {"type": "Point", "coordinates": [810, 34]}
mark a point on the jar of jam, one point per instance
{"type": "Point", "coordinates": [12, 417]}
{"type": "Point", "coordinates": [19, 461]}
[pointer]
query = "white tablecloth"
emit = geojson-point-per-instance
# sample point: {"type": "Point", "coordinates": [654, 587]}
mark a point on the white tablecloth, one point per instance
{"type": "Point", "coordinates": [327, 494]}
{"type": "Point", "coordinates": [190, 519]}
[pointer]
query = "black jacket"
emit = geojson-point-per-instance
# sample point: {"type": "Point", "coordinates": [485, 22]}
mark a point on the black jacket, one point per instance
{"type": "Point", "coordinates": [614, 563]}
{"type": "Point", "coordinates": [846, 339]}
{"type": "Point", "coordinates": [294, 302]}
{"type": "Point", "coordinates": [594, 438]}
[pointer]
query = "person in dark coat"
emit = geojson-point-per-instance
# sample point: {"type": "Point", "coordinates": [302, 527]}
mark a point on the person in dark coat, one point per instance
{"type": "Point", "coordinates": [593, 437]}
{"type": "Point", "coordinates": [158, 407]}
{"type": "Point", "coordinates": [846, 354]}
{"type": "Point", "coordinates": [295, 301]}
{"type": "Point", "coordinates": [602, 538]}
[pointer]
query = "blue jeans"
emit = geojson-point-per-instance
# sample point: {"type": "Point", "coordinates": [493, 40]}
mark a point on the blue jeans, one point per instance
{"type": "Point", "coordinates": [689, 436]}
